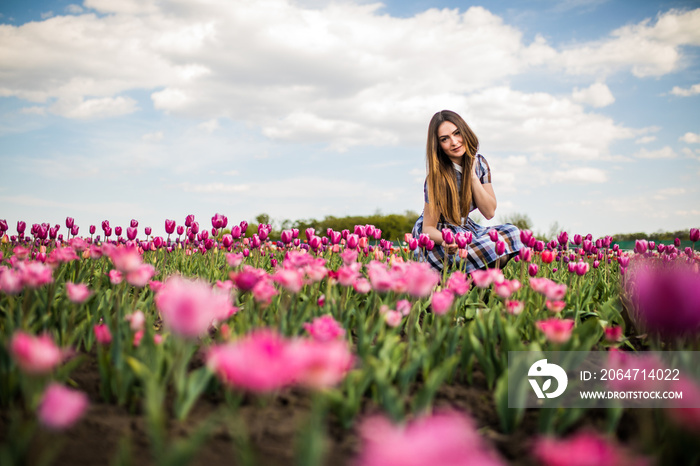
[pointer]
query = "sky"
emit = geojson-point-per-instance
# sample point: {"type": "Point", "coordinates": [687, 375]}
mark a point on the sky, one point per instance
{"type": "Point", "coordinates": [586, 110]}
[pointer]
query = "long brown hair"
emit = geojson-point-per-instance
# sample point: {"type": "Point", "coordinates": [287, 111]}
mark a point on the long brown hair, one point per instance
{"type": "Point", "coordinates": [443, 193]}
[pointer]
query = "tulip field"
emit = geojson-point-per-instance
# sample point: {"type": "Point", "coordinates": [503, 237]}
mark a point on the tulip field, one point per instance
{"type": "Point", "coordinates": [217, 346]}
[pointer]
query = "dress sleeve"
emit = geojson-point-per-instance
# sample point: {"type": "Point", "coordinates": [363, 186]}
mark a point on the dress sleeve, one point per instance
{"type": "Point", "coordinates": [483, 170]}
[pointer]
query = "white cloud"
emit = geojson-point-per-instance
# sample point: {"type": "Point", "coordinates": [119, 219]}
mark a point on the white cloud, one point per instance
{"type": "Point", "coordinates": [645, 49]}
{"type": "Point", "coordinates": [597, 95]}
{"type": "Point", "coordinates": [664, 194]}
{"type": "Point", "coordinates": [663, 153]}
{"type": "Point", "coordinates": [692, 90]}
{"type": "Point", "coordinates": [74, 9]}
{"type": "Point", "coordinates": [645, 140]}
{"type": "Point", "coordinates": [209, 126]}
{"type": "Point", "coordinates": [214, 188]}
{"type": "Point", "coordinates": [46, 15]}
{"type": "Point", "coordinates": [582, 175]}
{"type": "Point", "coordinates": [690, 138]}
{"type": "Point", "coordinates": [153, 137]}
{"type": "Point", "coordinates": [104, 107]}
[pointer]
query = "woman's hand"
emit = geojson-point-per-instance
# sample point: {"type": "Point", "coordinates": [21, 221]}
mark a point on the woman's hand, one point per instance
{"type": "Point", "coordinates": [451, 248]}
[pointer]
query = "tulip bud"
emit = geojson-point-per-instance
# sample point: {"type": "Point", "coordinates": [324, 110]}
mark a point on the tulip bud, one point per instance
{"type": "Point", "coordinates": [652, 245]}
{"type": "Point", "coordinates": [21, 227]}
{"type": "Point", "coordinates": [70, 222]}
{"type": "Point", "coordinates": [577, 239]}
{"type": "Point", "coordinates": [180, 230]}
{"type": "Point", "coordinates": [694, 235]}
{"type": "Point", "coordinates": [118, 231]}
{"type": "Point", "coordinates": [413, 244]}
{"type": "Point", "coordinates": [461, 240]}
{"type": "Point", "coordinates": [134, 223]}
{"type": "Point", "coordinates": [92, 229]}
{"type": "Point", "coordinates": [563, 239]}
{"type": "Point", "coordinates": [500, 248]}
{"type": "Point", "coordinates": [532, 269]}
{"type": "Point", "coordinates": [448, 236]}
{"type": "Point", "coordinates": [493, 234]}
{"type": "Point", "coordinates": [189, 220]}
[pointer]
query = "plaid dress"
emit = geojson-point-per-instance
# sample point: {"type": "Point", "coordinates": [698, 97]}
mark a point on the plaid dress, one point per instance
{"type": "Point", "coordinates": [481, 251]}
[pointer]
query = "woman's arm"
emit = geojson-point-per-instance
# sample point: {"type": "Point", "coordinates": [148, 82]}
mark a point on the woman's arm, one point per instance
{"type": "Point", "coordinates": [430, 221]}
{"type": "Point", "coordinates": [483, 195]}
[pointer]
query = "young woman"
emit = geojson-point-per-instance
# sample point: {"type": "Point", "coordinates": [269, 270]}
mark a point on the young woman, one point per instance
{"type": "Point", "coordinates": [459, 181]}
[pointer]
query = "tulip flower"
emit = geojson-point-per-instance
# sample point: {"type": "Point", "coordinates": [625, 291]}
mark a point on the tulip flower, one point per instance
{"type": "Point", "coordinates": [34, 355]}
{"type": "Point", "coordinates": [694, 235]}
{"type": "Point", "coordinates": [493, 234]}
{"type": "Point", "coordinates": [677, 242]}
{"type": "Point", "coordinates": [532, 269]}
{"type": "Point", "coordinates": [548, 256]}
{"type": "Point", "coordinates": [102, 334]}
{"type": "Point", "coordinates": [310, 232]}
{"type": "Point", "coordinates": [525, 254]}
{"type": "Point", "coordinates": [563, 239]}
{"type": "Point", "coordinates": [458, 283]}
{"type": "Point", "coordinates": [555, 306]}
{"type": "Point", "coordinates": [514, 307]}
{"type": "Point", "coordinates": [189, 307]}
{"type": "Point", "coordinates": [640, 246]}
{"type": "Point", "coordinates": [577, 239]}
{"type": "Point", "coordinates": [77, 292]}
{"type": "Point", "coordinates": [325, 328]}
{"type": "Point", "coordinates": [583, 449]}
{"type": "Point", "coordinates": [69, 222]}
{"type": "Point", "coordinates": [147, 231]}
{"type": "Point", "coordinates": [445, 438]}
{"type": "Point", "coordinates": [556, 330]}
{"type": "Point", "coordinates": [61, 407]}
{"type": "Point", "coordinates": [21, 227]}
{"type": "Point", "coordinates": [448, 236]}
{"type": "Point", "coordinates": [500, 248]}
{"type": "Point", "coordinates": [581, 268]}
{"type": "Point", "coordinates": [441, 302]}
{"type": "Point", "coordinates": [613, 334]}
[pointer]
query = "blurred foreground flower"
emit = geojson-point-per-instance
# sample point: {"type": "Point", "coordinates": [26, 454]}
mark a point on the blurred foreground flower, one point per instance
{"type": "Point", "coordinates": [189, 307]}
{"type": "Point", "coordinates": [584, 449]}
{"type": "Point", "coordinates": [325, 328]}
{"type": "Point", "coordinates": [61, 407]}
{"type": "Point", "coordinates": [444, 439]}
{"type": "Point", "coordinates": [35, 355]}
{"type": "Point", "coordinates": [665, 298]}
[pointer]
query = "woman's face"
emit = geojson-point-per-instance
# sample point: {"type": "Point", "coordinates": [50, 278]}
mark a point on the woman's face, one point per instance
{"type": "Point", "coordinates": [451, 141]}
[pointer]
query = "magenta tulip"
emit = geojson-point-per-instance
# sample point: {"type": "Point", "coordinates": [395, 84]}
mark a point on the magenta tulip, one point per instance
{"type": "Point", "coordinates": [118, 231]}
{"type": "Point", "coordinates": [500, 248]}
{"type": "Point", "coordinates": [61, 407]}
{"type": "Point", "coordinates": [694, 235]}
{"type": "Point", "coordinates": [448, 236]}
{"type": "Point", "coordinates": [169, 226]}
{"type": "Point", "coordinates": [131, 233]}
{"type": "Point", "coordinates": [21, 227]}
{"type": "Point", "coordinates": [70, 222]}
{"type": "Point", "coordinates": [563, 239]}
{"type": "Point", "coordinates": [493, 234]}
{"type": "Point", "coordinates": [189, 220]}
{"type": "Point", "coordinates": [532, 269]}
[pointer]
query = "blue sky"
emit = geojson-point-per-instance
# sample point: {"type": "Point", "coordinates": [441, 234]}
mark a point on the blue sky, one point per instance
{"type": "Point", "coordinates": [587, 110]}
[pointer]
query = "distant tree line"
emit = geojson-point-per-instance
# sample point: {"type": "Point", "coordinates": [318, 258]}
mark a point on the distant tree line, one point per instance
{"type": "Point", "coordinates": [393, 226]}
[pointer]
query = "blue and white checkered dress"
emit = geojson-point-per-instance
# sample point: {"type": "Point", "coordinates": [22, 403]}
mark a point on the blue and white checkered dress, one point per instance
{"type": "Point", "coordinates": [481, 251]}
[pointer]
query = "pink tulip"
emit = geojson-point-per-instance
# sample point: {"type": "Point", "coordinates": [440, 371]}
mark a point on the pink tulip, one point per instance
{"type": "Point", "coordinates": [514, 307]}
{"type": "Point", "coordinates": [458, 283]}
{"type": "Point", "coordinates": [556, 330]}
{"type": "Point", "coordinates": [246, 279]}
{"type": "Point", "coordinates": [563, 239]}
{"type": "Point", "coordinates": [125, 259]}
{"type": "Point", "coordinates": [77, 292]}
{"type": "Point", "coordinates": [289, 279]}
{"type": "Point", "coordinates": [286, 236]}
{"type": "Point", "coordinates": [493, 234]}
{"type": "Point", "coordinates": [441, 302]}
{"type": "Point", "coordinates": [525, 236]}
{"type": "Point", "coordinates": [34, 355]}
{"type": "Point", "coordinates": [115, 277]}
{"type": "Point", "coordinates": [484, 278]}
{"type": "Point", "coordinates": [347, 274]}
{"type": "Point", "coordinates": [263, 291]}
{"type": "Point", "coordinates": [640, 246]}
{"type": "Point", "coordinates": [403, 306]}
{"type": "Point", "coordinates": [34, 274]}
{"type": "Point", "coordinates": [555, 306]}
{"type": "Point", "coordinates": [666, 300]}
{"type": "Point", "coordinates": [500, 247]}
{"type": "Point", "coordinates": [319, 365]}
{"type": "Point", "coordinates": [118, 231]}
{"type": "Point", "coordinates": [694, 235]}
{"type": "Point", "coordinates": [392, 318]}
{"type": "Point", "coordinates": [448, 236]}
{"type": "Point", "coordinates": [325, 328]}
{"type": "Point", "coordinates": [102, 334]}
{"type": "Point", "coordinates": [189, 307]}
{"type": "Point", "coordinates": [532, 270]}
{"type": "Point", "coordinates": [61, 407]}
{"type": "Point", "coordinates": [136, 320]}
{"type": "Point", "coordinates": [362, 286]}
{"type": "Point", "coordinates": [140, 277]}
{"type": "Point", "coordinates": [258, 362]}
{"type": "Point", "coordinates": [445, 439]}
{"type": "Point", "coordinates": [169, 226]}
{"type": "Point", "coordinates": [70, 222]}
{"type": "Point", "coordinates": [582, 268]}
{"type": "Point", "coordinates": [613, 334]}
{"type": "Point", "coordinates": [131, 233]}
{"type": "Point", "coordinates": [420, 279]}
{"type": "Point", "coordinates": [583, 449]}
{"type": "Point", "coordinates": [548, 257]}
{"type": "Point", "coordinates": [10, 281]}
{"type": "Point", "coordinates": [525, 254]}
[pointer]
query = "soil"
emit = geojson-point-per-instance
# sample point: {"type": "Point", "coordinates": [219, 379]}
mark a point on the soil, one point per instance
{"type": "Point", "coordinates": [272, 425]}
